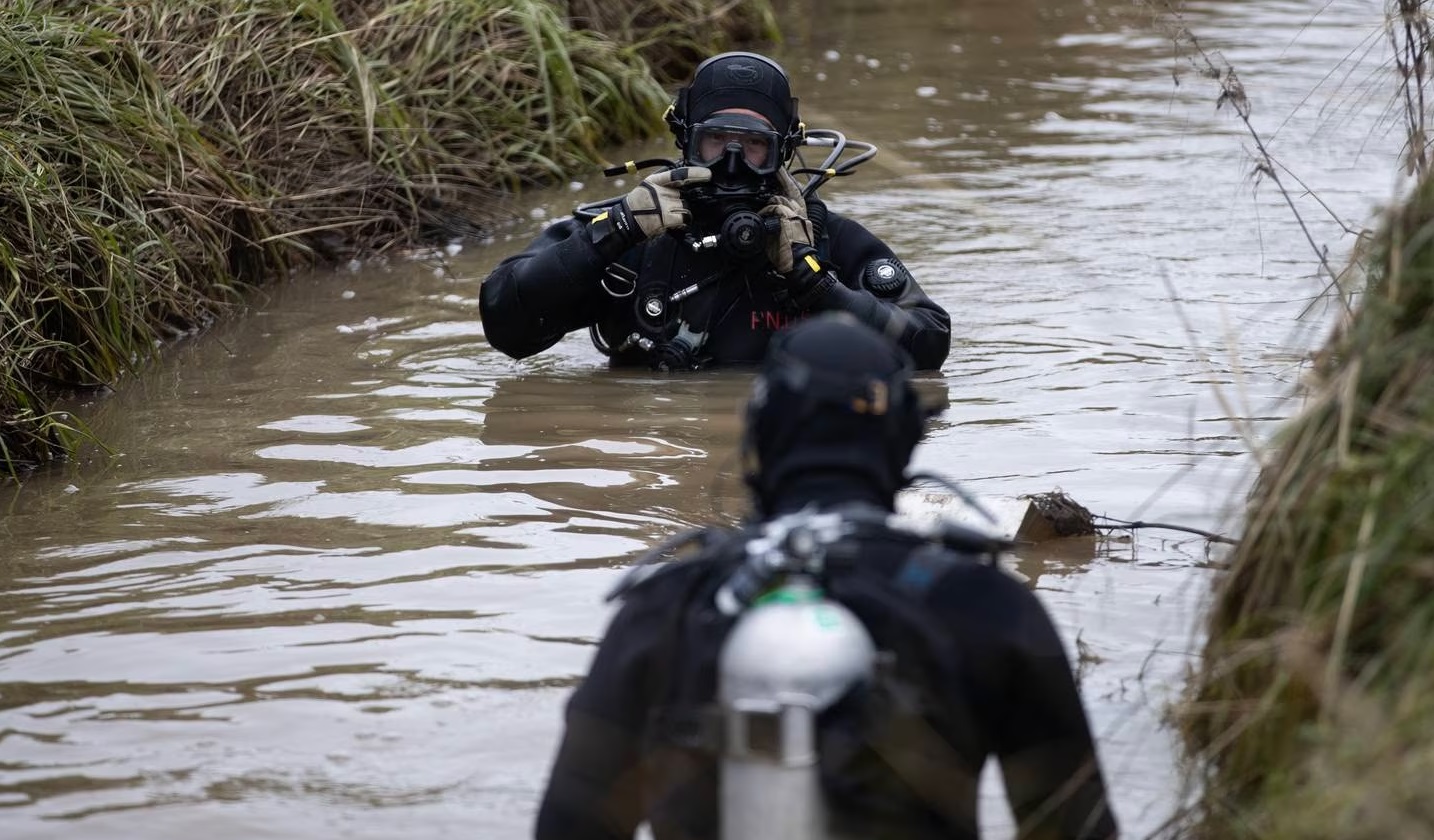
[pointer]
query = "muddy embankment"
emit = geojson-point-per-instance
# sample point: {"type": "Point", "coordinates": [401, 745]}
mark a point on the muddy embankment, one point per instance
{"type": "Point", "coordinates": [159, 160]}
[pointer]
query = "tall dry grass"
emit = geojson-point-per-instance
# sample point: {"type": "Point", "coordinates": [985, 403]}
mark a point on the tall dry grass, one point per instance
{"type": "Point", "coordinates": [1312, 712]}
{"type": "Point", "coordinates": [674, 35]}
{"type": "Point", "coordinates": [121, 225]}
{"type": "Point", "coordinates": [1314, 706]}
{"type": "Point", "coordinates": [375, 122]}
{"type": "Point", "coordinates": [158, 157]}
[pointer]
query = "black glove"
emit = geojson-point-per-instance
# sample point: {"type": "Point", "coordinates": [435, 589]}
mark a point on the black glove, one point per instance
{"type": "Point", "coordinates": [653, 206]}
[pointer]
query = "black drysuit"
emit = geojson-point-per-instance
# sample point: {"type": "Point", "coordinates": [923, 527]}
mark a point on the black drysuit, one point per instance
{"type": "Point", "coordinates": [980, 673]}
{"type": "Point", "coordinates": [555, 285]}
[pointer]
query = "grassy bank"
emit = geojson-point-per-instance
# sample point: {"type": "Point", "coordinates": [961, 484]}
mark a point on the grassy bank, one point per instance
{"type": "Point", "coordinates": [1311, 714]}
{"type": "Point", "coordinates": [1314, 706]}
{"type": "Point", "coordinates": [158, 158]}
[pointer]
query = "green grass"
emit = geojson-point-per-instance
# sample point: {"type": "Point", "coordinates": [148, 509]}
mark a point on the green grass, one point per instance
{"type": "Point", "coordinates": [122, 225]}
{"type": "Point", "coordinates": [159, 158]}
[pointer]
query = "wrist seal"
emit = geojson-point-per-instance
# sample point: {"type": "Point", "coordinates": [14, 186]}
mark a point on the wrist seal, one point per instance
{"type": "Point", "coordinates": [810, 277]}
{"type": "Point", "coordinates": [613, 231]}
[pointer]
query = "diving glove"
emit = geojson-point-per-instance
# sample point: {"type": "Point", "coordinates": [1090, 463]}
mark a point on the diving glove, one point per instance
{"type": "Point", "coordinates": [805, 278]}
{"type": "Point", "coordinates": [794, 229]}
{"type": "Point", "coordinates": [809, 279]}
{"type": "Point", "coordinates": [653, 206]}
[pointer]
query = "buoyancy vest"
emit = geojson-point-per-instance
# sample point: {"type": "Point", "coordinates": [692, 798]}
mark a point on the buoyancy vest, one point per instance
{"type": "Point", "coordinates": [672, 300]}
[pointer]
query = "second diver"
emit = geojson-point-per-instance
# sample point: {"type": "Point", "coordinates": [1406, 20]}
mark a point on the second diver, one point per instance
{"type": "Point", "coordinates": [702, 262]}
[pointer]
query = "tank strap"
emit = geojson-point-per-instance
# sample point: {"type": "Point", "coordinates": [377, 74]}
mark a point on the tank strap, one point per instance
{"type": "Point", "coordinates": [680, 722]}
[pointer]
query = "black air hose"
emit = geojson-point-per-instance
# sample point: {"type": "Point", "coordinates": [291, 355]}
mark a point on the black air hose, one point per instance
{"type": "Point", "coordinates": [817, 215]}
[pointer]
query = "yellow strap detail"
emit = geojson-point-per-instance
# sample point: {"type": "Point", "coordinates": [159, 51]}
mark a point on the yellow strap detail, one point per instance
{"type": "Point", "coordinates": [831, 173]}
{"type": "Point", "coordinates": [815, 266]}
{"type": "Point", "coordinates": [631, 167]}
{"type": "Point", "coordinates": [599, 217]}
{"type": "Point", "coordinates": [878, 403]}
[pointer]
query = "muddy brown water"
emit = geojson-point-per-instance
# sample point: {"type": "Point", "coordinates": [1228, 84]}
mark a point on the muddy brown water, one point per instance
{"type": "Point", "coordinates": [347, 562]}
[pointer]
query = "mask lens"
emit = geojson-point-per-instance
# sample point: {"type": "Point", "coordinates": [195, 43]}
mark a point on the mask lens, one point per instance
{"type": "Point", "coordinates": [710, 142]}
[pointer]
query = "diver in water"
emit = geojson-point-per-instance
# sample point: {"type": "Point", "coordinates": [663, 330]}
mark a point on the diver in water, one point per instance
{"type": "Point", "coordinates": [826, 670]}
{"type": "Point", "coordinates": [700, 263]}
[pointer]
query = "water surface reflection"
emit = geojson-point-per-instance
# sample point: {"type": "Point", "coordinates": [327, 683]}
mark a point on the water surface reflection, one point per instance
{"type": "Point", "coordinates": [348, 561]}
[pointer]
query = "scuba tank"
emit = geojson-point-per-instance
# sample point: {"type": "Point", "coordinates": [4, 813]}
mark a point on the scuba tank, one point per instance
{"type": "Point", "coordinates": [791, 654]}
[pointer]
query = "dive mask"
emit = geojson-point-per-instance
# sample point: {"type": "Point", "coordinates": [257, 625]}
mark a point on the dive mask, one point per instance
{"type": "Point", "coordinates": [730, 143]}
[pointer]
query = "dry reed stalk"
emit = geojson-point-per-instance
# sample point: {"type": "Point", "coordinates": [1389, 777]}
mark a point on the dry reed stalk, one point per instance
{"type": "Point", "coordinates": [1314, 703]}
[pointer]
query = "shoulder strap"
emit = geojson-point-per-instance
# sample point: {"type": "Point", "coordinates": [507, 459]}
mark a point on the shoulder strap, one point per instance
{"type": "Point", "coordinates": [644, 273]}
{"type": "Point", "coordinates": [682, 686]}
{"type": "Point", "coordinates": [911, 729]}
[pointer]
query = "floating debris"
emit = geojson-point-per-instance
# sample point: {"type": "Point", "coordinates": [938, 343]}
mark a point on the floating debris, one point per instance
{"type": "Point", "coordinates": [1053, 515]}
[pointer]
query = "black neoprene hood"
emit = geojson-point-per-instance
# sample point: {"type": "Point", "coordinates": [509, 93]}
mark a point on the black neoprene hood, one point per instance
{"type": "Point", "coordinates": [832, 395]}
{"type": "Point", "coordinates": [739, 80]}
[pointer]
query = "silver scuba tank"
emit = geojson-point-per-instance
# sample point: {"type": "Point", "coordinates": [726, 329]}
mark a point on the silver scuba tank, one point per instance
{"type": "Point", "coordinates": [790, 655]}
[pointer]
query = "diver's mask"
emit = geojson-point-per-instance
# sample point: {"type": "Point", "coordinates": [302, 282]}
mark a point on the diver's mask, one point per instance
{"type": "Point", "coordinates": [741, 150]}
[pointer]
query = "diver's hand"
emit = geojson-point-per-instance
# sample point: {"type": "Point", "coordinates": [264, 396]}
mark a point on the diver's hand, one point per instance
{"type": "Point", "coordinates": [793, 236]}
{"type": "Point", "coordinates": [653, 206]}
{"type": "Point", "coordinates": [656, 204]}
{"type": "Point", "coordinates": [804, 277]}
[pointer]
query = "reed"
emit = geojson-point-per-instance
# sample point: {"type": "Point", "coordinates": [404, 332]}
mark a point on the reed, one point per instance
{"type": "Point", "coordinates": [1314, 705]}
{"type": "Point", "coordinates": [157, 158]}
{"type": "Point", "coordinates": [377, 123]}
{"type": "Point", "coordinates": [674, 35]}
{"type": "Point", "coordinates": [1311, 714]}
{"type": "Point", "coordinates": [122, 226]}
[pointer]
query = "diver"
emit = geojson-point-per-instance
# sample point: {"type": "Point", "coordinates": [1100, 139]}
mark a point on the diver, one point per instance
{"type": "Point", "coordinates": [826, 670]}
{"type": "Point", "coordinates": [702, 261]}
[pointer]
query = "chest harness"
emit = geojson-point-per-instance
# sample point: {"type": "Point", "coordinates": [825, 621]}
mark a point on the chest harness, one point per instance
{"type": "Point", "coordinates": [671, 322]}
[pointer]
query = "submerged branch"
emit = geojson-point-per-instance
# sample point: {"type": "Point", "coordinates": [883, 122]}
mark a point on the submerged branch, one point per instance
{"type": "Point", "coordinates": [1109, 523]}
